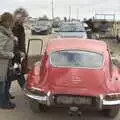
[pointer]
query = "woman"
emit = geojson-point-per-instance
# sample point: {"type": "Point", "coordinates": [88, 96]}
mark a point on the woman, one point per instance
{"type": "Point", "coordinates": [20, 16]}
{"type": "Point", "coordinates": [6, 54]}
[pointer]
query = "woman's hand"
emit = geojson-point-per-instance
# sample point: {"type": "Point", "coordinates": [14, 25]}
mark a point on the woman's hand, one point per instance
{"type": "Point", "coordinates": [16, 39]}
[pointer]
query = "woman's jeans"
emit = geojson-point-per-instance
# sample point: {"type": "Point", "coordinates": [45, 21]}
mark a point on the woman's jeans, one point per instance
{"type": "Point", "coordinates": [4, 100]}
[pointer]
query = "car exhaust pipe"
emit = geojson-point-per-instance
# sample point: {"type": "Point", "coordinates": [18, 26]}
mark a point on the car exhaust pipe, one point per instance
{"type": "Point", "coordinates": [74, 110]}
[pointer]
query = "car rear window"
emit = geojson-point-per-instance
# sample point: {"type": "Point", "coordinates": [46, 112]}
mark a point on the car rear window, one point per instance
{"type": "Point", "coordinates": [72, 27]}
{"type": "Point", "coordinates": [84, 59]}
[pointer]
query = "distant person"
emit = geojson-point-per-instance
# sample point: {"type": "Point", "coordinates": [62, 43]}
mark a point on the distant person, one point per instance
{"type": "Point", "coordinates": [103, 26]}
{"type": "Point", "coordinates": [20, 16]}
{"type": "Point", "coordinates": [65, 19]}
{"type": "Point", "coordinates": [6, 55]}
{"type": "Point", "coordinates": [90, 24]}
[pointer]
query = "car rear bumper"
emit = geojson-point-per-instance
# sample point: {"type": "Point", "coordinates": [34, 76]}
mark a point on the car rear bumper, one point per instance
{"type": "Point", "coordinates": [99, 102]}
{"type": "Point", "coordinates": [109, 103]}
{"type": "Point", "coordinates": [41, 99]}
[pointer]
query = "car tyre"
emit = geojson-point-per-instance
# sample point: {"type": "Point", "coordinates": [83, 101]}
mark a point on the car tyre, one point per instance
{"type": "Point", "coordinates": [36, 107]}
{"type": "Point", "coordinates": [47, 32]}
{"type": "Point", "coordinates": [112, 113]}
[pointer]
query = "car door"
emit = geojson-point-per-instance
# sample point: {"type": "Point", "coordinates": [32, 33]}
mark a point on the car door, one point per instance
{"type": "Point", "coordinates": [34, 52]}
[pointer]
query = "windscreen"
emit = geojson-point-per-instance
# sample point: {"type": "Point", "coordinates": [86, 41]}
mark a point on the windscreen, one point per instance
{"type": "Point", "coordinates": [84, 59]}
{"type": "Point", "coordinates": [72, 27]}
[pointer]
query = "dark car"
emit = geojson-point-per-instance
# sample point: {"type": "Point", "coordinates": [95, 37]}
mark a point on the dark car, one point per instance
{"type": "Point", "coordinates": [41, 27]}
{"type": "Point", "coordinates": [72, 29]}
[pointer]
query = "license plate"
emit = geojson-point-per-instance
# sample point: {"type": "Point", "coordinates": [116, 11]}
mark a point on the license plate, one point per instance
{"type": "Point", "coordinates": [73, 100]}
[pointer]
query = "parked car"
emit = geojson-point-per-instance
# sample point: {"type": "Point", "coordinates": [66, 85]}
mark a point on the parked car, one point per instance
{"type": "Point", "coordinates": [42, 27]}
{"type": "Point", "coordinates": [72, 29]}
{"type": "Point", "coordinates": [75, 72]}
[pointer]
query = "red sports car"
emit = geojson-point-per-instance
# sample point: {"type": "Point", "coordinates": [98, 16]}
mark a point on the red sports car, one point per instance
{"type": "Point", "coordinates": [77, 73]}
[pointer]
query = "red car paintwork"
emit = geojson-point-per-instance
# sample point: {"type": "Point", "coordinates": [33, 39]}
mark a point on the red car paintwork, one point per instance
{"type": "Point", "coordinates": [75, 81]}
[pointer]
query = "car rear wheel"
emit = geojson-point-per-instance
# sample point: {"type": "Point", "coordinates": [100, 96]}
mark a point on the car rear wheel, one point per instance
{"type": "Point", "coordinates": [111, 112]}
{"type": "Point", "coordinates": [48, 32]}
{"type": "Point", "coordinates": [36, 107]}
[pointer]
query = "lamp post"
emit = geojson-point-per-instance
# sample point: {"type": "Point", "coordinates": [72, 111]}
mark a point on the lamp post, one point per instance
{"type": "Point", "coordinates": [52, 10]}
{"type": "Point", "coordinates": [69, 12]}
{"type": "Point", "coordinates": [77, 17]}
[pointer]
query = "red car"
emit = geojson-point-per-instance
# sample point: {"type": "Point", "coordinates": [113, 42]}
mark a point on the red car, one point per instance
{"type": "Point", "coordinates": [77, 73]}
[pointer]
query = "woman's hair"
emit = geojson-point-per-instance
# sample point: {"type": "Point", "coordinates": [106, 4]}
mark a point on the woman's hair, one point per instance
{"type": "Point", "coordinates": [20, 15]}
{"type": "Point", "coordinates": [7, 19]}
{"type": "Point", "coordinates": [21, 12]}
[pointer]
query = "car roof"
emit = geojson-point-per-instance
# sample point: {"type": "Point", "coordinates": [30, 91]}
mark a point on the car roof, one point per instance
{"type": "Point", "coordinates": [76, 43]}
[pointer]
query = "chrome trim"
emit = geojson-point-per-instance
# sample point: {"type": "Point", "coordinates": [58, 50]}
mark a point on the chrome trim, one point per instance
{"type": "Point", "coordinates": [113, 94]}
{"type": "Point", "coordinates": [42, 99]}
{"type": "Point", "coordinates": [104, 102]}
{"type": "Point", "coordinates": [36, 97]}
{"type": "Point", "coordinates": [113, 102]}
{"type": "Point", "coordinates": [47, 100]}
{"type": "Point", "coordinates": [34, 88]}
{"type": "Point", "coordinates": [101, 102]}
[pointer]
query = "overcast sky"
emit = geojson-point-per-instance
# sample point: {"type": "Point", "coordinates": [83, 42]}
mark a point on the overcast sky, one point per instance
{"type": "Point", "coordinates": [86, 8]}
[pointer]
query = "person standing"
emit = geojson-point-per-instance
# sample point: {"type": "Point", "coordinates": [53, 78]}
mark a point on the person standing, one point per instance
{"type": "Point", "coordinates": [6, 54]}
{"type": "Point", "coordinates": [20, 16]}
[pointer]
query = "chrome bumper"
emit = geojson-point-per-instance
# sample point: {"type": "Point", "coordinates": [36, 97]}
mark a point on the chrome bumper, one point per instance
{"type": "Point", "coordinates": [110, 103]}
{"type": "Point", "coordinates": [48, 100]}
{"type": "Point", "coordinates": [41, 99]}
{"type": "Point", "coordinates": [107, 103]}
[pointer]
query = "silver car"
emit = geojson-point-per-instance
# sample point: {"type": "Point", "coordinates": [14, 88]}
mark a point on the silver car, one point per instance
{"type": "Point", "coordinates": [72, 29]}
{"type": "Point", "coordinates": [42, 28]}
